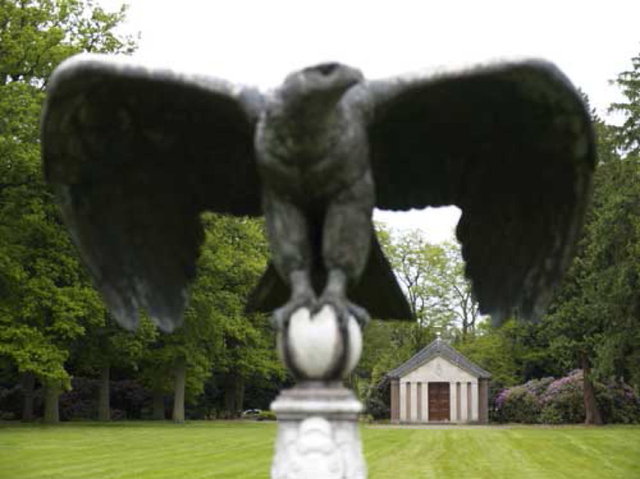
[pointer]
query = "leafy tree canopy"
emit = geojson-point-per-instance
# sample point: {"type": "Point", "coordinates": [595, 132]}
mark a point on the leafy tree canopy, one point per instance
{"type": "Point", "coordinates": [45, 298]}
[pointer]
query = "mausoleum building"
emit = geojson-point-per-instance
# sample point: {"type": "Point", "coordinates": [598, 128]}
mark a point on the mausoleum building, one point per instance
{"type": "Point", "coordinates": [439, 384]}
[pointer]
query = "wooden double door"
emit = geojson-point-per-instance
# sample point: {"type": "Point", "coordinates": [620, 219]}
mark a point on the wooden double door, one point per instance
{"type": "Point", "coordinates": [439, 402]}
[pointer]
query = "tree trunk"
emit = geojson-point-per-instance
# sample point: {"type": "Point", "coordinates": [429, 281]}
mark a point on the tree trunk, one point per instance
{"type": "Point", "coordinates": [592, 413]}
{"type": "Point", "coordinates": [158, 406]}
{"type": "Point", "coordinates": [180, 374]}
{"type": "Point", "coordinates": [28, 390]}
{"type": "Point", "coordinates": [104, 407]}
{"type": "Point", "coordinates": [52, 392]}
{"type": "Point", "coordinates": [233, 395]}
{"type": "Point", "coordinates": [239, 395]}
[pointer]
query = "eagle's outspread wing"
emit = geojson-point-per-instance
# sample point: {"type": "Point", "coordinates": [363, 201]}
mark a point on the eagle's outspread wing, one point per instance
{"type": "Point", "coordinates": [135, 155]}
{"type": "Point", "coordinates": [511, 145]}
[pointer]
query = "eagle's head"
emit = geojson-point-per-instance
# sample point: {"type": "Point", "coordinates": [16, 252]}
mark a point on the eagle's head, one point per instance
{"type": "Point", "coordinates": [326, 82]}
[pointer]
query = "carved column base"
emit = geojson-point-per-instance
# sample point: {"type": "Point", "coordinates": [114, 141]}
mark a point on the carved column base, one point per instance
{"type": "Point", "coordinates": [318, 435]}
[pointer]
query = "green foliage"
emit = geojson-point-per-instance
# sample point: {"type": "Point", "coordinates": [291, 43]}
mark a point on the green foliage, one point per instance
{"type": "Point", "coordinates": [46, 301]}
{"type": "Point", "coordinates": [520, 406]}
{"type": "Point", "coordinates": [495, 350]}
{"type": "Point", "coordinates": [628, 134]}
{"type": "Point", "coordinates": [50, 316]}
{"type": "Point", "coordinates": [597, 312]}
{"type": "Point", "coordinates": [619, 403]}
{"type": "Point", "coordinates": [105, 343]}
{"type": "Point", "coordinates": [377, 403]}
{"type": "Point", "coordinates": [596, 316]}
{"type": "Point", "coordinates": [387, 344]}
{"type": "Point", "coordinates": [36, 35]}
{"type": "Point", "coordinates": [432, 276]}
{"type": "Point", "coordinates": [217, 336]}
{"type": "Point", "coordinates": [266, 416]}
{"type": "Point", "coordinates": [561, 401]}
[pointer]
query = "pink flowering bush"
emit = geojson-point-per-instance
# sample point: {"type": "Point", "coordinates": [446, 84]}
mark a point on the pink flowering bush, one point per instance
{"type": "Point", "coordinates": [517, 404]}
{"type": "Point", "coordinates": [560, 401]}
{"type": "Point", "coordinates": [521, 403]}
{"type": "Point", "coordinates": [563, 400]}
{"type": "Point", "coordinates": [619, 403]}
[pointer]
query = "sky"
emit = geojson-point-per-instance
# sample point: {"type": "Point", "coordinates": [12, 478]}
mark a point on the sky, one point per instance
{"type": "Point", "coordinates": [259, 42]}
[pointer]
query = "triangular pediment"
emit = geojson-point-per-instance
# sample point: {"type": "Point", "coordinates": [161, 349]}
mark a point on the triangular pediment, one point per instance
{"type": "Point", "coordinates": [438, 348]}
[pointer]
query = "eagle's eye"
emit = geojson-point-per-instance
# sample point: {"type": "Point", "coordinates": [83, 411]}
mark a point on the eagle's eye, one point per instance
{"type": "Point", "coordinates": [327, 68]}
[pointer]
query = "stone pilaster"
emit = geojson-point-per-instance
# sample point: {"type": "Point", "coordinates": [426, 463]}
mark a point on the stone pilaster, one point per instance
{"type": "Point", "coordinates": [395, 400]}
{"type": "Point", "coordinates": [483, 401]}
{"type": "Point", "coordinates": [453, 402]}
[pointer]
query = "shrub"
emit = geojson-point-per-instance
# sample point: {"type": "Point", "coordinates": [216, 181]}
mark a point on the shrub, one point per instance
{"type": "Point", "coordinates": [79, 402]}
{"type": "Point", "coordinates": [365, 418]}
{"type": "Point", "coordinates": [537, 387]}
{"type": "Point", "coordinates": [10, 402]}
{"type": "Point", "coordinates": [377, 401]}
{"type": "Point", "coordinates": [266, 416]}
{"type": "Point", "coordinates": [560, 401]}
{"type": "Point", "coordinates": [377, 408]}
{"type": "Point", "coordinates": [517, 404]}
{"type": "Point", "coordinates": [127, 400]}
{"type": "Point", "coordinates": [563, 401]}
{"type": "Point", "coordinates": [618, 403]}
{"type": "Point", "coordinates": [130, 398]}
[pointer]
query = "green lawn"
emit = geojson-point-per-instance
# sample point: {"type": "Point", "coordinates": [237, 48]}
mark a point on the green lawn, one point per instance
{"type": "Point", "coordinates": [242, 450]}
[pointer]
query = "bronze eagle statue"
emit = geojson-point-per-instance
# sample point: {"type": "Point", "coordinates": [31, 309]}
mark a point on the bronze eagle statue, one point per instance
{"type": "Point", "coordinates": [136, 154]}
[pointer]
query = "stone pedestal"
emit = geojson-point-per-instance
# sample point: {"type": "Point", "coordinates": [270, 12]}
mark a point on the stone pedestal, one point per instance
{"type": "Point", "coordinates": [318, 435]}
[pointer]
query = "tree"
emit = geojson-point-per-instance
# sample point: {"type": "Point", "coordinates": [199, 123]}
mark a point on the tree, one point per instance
{"type": "Point", "coordinates": [432, 276]}
{"type": "Point", "coordinates": [596, 316]}
{"type": "Point", "coordinates": [44, 294]}
{"type": "Point", "coordinates": [180, 362]}
{"type": "Point", "coordinates": [514, 352]}
{"type": "Point", "coordinates": [106, 345]}
{"type": "Point", "coordinates": [628, 134]}
{"type": "Point", "coordinates": [248, 349]}
{"type": "Point", "coordinates": [217, 335]}
{"type": "Point", "coordinates": [619, 353]}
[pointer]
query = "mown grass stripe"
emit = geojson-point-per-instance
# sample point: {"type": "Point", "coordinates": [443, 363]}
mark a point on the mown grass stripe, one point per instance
{"type": "Point", "coordinates": [203, 450]}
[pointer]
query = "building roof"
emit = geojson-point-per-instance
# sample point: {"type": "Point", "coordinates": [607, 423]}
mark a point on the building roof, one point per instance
{"type": "Point", "coordinates": [442, 349]}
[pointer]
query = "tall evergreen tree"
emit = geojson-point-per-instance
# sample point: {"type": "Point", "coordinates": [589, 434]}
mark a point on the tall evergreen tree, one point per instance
{"type": "Point", "coordinates": [595, 321]}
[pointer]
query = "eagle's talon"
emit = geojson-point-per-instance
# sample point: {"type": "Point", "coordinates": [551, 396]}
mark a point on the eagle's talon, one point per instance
{"type": "Point", "coordinates": [360, 314]}
{"type": "Point", "coordinates": [344, 309]}
{"type": "Point", "coordinates": [281, 316]}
